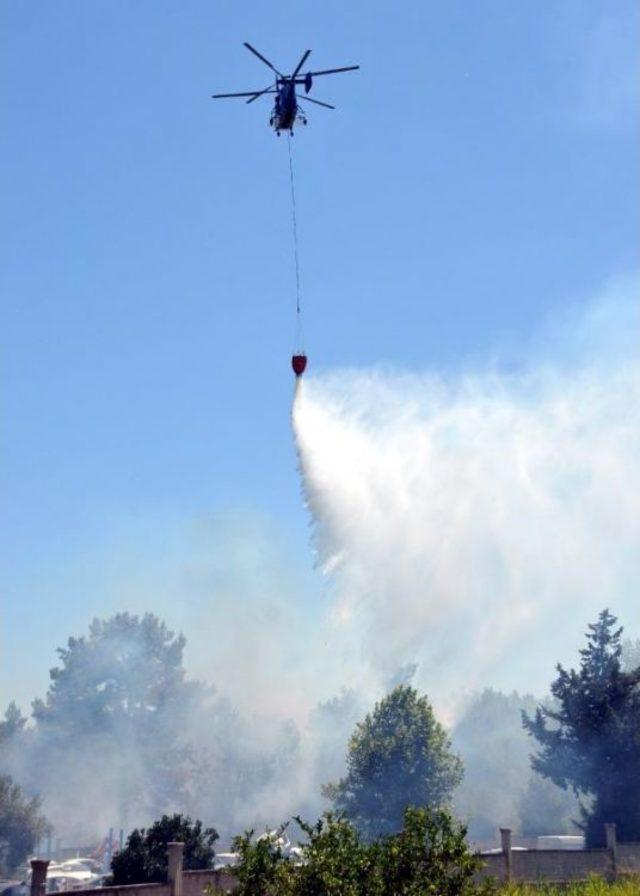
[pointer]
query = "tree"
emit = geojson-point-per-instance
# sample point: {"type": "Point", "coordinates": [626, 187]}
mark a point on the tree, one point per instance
{"type": "Point", "coordinates": [128, 670]}
{"type": "Point", "coordinates": [398, 756]}
{"type": "Point", "coordinates": [144, 858]}
{"type": "Point", "coordinates": [591, 740]}
{"type": "Point", "coordinates": [112, 727]}
{"type": "Point", "coordinates": [21, 825]}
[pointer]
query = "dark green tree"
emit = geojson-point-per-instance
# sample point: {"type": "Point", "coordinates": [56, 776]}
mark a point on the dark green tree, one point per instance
{"type": "Point", "coordinates": [144, 858]}
{"type": "Point", "coordinates": [21, 825]}
{"type": "Point", "coordinates": [399, 756]}
{"type": "Point", "coordinates": [590, 740]}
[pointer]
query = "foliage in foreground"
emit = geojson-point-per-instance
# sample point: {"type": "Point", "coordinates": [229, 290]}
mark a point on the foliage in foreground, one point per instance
{"type": "Point", "coordinates": [429, 855]}
{"type": "Point", "coordinates": [144, 858]}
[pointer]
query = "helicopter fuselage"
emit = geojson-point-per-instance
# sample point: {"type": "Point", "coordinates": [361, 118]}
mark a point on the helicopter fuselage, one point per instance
{"type": "Point", "coordinates": [285, 108]}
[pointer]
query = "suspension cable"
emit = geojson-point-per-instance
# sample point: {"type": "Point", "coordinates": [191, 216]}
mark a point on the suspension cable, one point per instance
{"type": "Point", "coordinates": [295, 228]}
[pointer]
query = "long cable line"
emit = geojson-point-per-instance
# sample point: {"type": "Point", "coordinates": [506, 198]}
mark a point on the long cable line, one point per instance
{"type": "Point", "coordinates": [295, 229]}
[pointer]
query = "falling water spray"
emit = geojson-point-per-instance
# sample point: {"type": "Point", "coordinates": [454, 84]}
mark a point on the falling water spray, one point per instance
{"type": "Point", "coordinates": [469, 524]}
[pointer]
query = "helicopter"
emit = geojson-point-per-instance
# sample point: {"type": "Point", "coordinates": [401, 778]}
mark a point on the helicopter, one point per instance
{"type": "Point", "coordinates": [286, 112]}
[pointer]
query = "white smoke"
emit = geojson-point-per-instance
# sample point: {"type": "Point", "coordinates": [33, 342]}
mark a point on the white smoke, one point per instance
{"type": "Point", "coordinates": [472, 524]}
{"type": "Point", "coordinates": [475, 523]}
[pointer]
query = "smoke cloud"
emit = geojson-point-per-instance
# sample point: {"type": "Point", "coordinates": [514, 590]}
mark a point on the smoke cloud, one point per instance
{"type": "Point", "coordinates": [467, 526]}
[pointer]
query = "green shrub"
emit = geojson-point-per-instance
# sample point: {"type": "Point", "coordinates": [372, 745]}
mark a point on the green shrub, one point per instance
{"type": "Point", "coordinates": [428, 856]}
{"type": "Point", "coordinates": [262, 869]}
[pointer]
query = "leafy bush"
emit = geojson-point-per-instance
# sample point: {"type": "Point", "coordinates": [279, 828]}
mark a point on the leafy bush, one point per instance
{"type": "Point", "coordinates": [429, 855]}
{"type": "Point", "coordinates": [262, 869]}
{"type": "Point", "coordinates": [335, 861]}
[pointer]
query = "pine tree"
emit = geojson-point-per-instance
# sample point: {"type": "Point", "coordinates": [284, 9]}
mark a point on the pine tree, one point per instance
{"type": "Point", "coordinates": [590, 740]}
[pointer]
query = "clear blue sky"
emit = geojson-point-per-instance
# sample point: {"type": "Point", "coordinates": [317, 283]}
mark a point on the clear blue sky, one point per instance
{"type": "Point", "coordinates": [479, 173]}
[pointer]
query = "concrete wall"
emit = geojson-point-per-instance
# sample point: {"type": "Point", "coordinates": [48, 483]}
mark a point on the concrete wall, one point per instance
{"type": "Point", "coordinates": [194, 882]}
{"type": "Point", "coordinates": [629, 858]}
{"type": "Point", "coordinates": [560, 865]}
{"type": "Point", "coordinates": [129, 890]}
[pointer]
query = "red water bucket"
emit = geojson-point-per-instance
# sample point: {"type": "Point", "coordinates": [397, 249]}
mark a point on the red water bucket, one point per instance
{"type": "Point", "coordinates": [299, 363]}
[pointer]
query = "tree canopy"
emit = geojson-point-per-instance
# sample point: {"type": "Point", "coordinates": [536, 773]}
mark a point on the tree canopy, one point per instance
{"type": "Point", "coordinates": [590, 740]}
{"type": "Point", "coordinates": [128, 669]}
{"type": "Point", "coordinates": [399, 756]}
{"type": "Point", "coordinates": [144, 858]}
{"type": "Point", "coordinates": [112, 728]}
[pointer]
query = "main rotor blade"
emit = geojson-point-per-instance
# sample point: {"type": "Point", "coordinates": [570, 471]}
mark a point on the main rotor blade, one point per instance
{"type": "Point", "coordinates": [333, 71]}
{"type": "Point", "coordinates": [263, 58]}
{"type": "Point", "coordinates": [269, 89]}
{"type": "Point", "coordinates": [253, 93]}
{"type": "Point", "coordinates": [301, 63]}
{"type": "Point", "coordinates": [307, 99]}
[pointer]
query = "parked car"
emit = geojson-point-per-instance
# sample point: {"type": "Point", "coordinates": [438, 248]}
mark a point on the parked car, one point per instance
{"type": "Point", "coordinates": [74, 874]}
{"type": "Point", "coordinates": [225, 860]}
